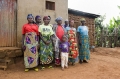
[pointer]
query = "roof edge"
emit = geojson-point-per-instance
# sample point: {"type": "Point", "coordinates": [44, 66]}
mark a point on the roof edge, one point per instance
{"type": "Point", "coordinates": [77, 12]}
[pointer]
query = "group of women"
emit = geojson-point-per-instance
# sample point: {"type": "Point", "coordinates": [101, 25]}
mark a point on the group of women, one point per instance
{"type": "Point", "coordinates": [40, 42]}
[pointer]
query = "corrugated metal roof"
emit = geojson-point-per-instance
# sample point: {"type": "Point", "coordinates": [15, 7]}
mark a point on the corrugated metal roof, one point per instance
{"type": "Point", "coordinates": [81, 13]}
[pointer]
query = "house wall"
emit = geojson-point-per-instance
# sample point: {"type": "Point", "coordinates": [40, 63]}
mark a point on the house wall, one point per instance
{"type": "Point", "coordinates": [89, 22]}
{"type": "Point", "coordinates": [37, 7]}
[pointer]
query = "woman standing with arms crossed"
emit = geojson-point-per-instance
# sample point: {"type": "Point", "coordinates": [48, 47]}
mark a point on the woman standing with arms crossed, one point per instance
{"type": "Point", "coordinates": [83, 39]}
{"type": "Point", "coordinates": [30, 39]}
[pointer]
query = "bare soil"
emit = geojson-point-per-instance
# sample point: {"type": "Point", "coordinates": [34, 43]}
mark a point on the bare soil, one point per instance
{"type": "Point", "coordinates": [104, 64]}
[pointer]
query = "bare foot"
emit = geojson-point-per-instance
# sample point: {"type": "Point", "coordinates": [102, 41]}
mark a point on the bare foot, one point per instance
{"type": "Point", "coordinates": [62, 69]}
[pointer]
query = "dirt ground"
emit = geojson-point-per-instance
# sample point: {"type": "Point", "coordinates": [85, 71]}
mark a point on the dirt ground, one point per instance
{"type": "Point", "coordinates": [104, 64]}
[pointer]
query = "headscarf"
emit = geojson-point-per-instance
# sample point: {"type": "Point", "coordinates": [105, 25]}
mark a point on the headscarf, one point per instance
{"type": "Point", "coordinates": [82, 19]}
{"type": "Point", "coordinates": [45, 17]}
{"type": "Point", "coordinates": [37, 17]}
{"type": "Point", "coordinates": [30, 16]}
{"type": "Point", "coordinates": [58, 19]}
{"type": "Point", "coordinates": [49, 17]}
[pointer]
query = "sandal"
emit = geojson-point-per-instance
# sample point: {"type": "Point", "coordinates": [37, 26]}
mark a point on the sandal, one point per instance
{"type": "Point", "coordinates": [26, 70]}
{"type": "Point", "coordinates": [42, 68]}
{"type": "Point", "coordinates": [50, 67]}
{"type": "Point", "coordinates": [36, 69]}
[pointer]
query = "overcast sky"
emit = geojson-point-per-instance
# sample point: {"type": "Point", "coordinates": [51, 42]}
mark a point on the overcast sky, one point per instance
{"type": "Point", "coordinates": [108, 7]}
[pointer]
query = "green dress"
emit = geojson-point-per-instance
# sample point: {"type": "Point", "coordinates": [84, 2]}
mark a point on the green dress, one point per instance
{"type": "Point", "coordinates": [46, 51]}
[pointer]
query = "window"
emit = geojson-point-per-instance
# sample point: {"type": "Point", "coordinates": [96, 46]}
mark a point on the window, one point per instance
{"type": "Point", "coordinates": [50, 5]}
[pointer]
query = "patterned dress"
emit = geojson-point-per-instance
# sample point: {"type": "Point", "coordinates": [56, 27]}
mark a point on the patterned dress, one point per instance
{"type": "Point", "coordinates": [46, 51]}
{"type": "Point", "coordinates": [84, 53]}
{"type": "Point", "coordinates": [73, 55]}
{"type": "Point", "coordinates": [30, 42]}
{"type": "Point", "coordinates": [31, 52]}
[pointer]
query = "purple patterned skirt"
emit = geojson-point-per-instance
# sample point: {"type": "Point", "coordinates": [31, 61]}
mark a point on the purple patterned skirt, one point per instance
{"type": "Point", "coordinates": [31, 52]}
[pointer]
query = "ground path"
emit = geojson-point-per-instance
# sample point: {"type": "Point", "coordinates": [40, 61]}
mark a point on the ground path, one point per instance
{"type": "Point", "coordinates": [104, 64]}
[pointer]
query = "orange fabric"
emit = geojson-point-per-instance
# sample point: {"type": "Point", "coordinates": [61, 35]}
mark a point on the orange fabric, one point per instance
{"type": "Point", "coordinates": [60, 32]}
{"type": "Point", "coordinates": [73, 44]}
{"type": "Point", "coordinates": [30, 28]}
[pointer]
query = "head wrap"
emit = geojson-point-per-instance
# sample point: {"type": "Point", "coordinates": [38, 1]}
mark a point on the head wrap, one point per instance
{"type": "Point", "coordinates": [82, 19]}
{"type": "Point", "coordinates": [45, 17]}
{"type": "Point", "coordinates": [30, 16]}
{"type": "Point", "coordinates": [37, 17]}
{"type": "Point", "coordinates": [58, 19]}
{"type": "Point", "coordinates": [49, 17]}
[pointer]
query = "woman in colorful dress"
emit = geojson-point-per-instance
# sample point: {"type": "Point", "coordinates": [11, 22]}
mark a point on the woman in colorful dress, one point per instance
{"type": "Point", "coordinates": [72, 38]}
{"type": "Point", "coordinates": [59, 31]}
{"type": "Point", "coordinates": [46, 46]}
{"type": "Point", "coordinates": [30, 38]}
{"type": "Point", "coordinates": [83, 37]}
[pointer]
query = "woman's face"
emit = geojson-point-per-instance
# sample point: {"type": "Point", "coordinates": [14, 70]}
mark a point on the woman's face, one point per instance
{"type": "Point", "coordinates": [83, 22]}
{"type": "Point", "coordinates": [30, 20]}
{"type": "Point", "coordinates": [46, 21]}
{"type": "Point", "coordinates": [71, 23]}
{"type": "Point", "coordinates": [59, 22]}
{"type": "Point", "coordinates": [64, 39]}
{"type": "Point", "coordinates": [38, 20]}
{"type": "Point", "coordinates": [49, 19]}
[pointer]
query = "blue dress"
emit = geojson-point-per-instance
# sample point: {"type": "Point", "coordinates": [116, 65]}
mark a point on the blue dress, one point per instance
{"type": "Point", "coordinates": [84, 53]}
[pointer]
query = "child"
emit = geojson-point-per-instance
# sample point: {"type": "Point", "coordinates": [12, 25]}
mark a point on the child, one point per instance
{"type": "Point", "coordinates": [64, 49]}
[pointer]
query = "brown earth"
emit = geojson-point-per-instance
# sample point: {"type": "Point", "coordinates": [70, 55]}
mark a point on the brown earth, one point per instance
{"type": "Point", "coordinates": [104, 64]}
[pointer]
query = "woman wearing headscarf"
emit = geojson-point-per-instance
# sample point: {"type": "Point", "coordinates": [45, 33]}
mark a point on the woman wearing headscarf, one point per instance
{"type": "Point", "coordinates": [59, 31]}
{"type": "Point", "coordinates": [49, 21]}
{"type": "Point", "coordinates": [83, 37]}
{"type": "Point", "coordinates": [72, 38]}
{"type": "Point", "coordinates": [46, 46]}
{"type": "Point", "coordinates": [38, 20]}
{"type": "Point", "coordinates": [30, 38]}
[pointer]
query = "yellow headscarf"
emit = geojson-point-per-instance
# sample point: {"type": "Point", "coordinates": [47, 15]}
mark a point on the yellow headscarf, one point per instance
{"type": "Point", "coordinates": [82, 19]}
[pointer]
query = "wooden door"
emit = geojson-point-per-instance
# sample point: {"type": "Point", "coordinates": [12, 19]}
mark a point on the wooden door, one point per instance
{"type": "Point", "coordinates": [8, 23]}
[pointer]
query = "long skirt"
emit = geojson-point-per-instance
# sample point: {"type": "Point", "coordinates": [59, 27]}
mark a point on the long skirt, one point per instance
{"type": "Point", "coordinates": [56, 42]}
{"type": "Point", "coordinates": [84, 53]}
{"type": "Point", "coordinates": [73, 54]}
{"type": "Point", "coordinates": [31, 52]}
{"type": "Point", "coordinates": [46, 51]}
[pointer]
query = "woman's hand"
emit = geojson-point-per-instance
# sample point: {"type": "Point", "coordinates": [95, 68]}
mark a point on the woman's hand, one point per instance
{"type": "Point", "coordinates": [48, 42]}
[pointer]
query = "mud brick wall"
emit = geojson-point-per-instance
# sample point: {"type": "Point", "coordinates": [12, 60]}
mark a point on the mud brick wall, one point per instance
{"type": "Point", "coordinates": [89, 23]}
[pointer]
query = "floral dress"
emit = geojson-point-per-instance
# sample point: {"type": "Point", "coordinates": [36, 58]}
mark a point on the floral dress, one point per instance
{"type": "Point", "coordinates": [73, 54]}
